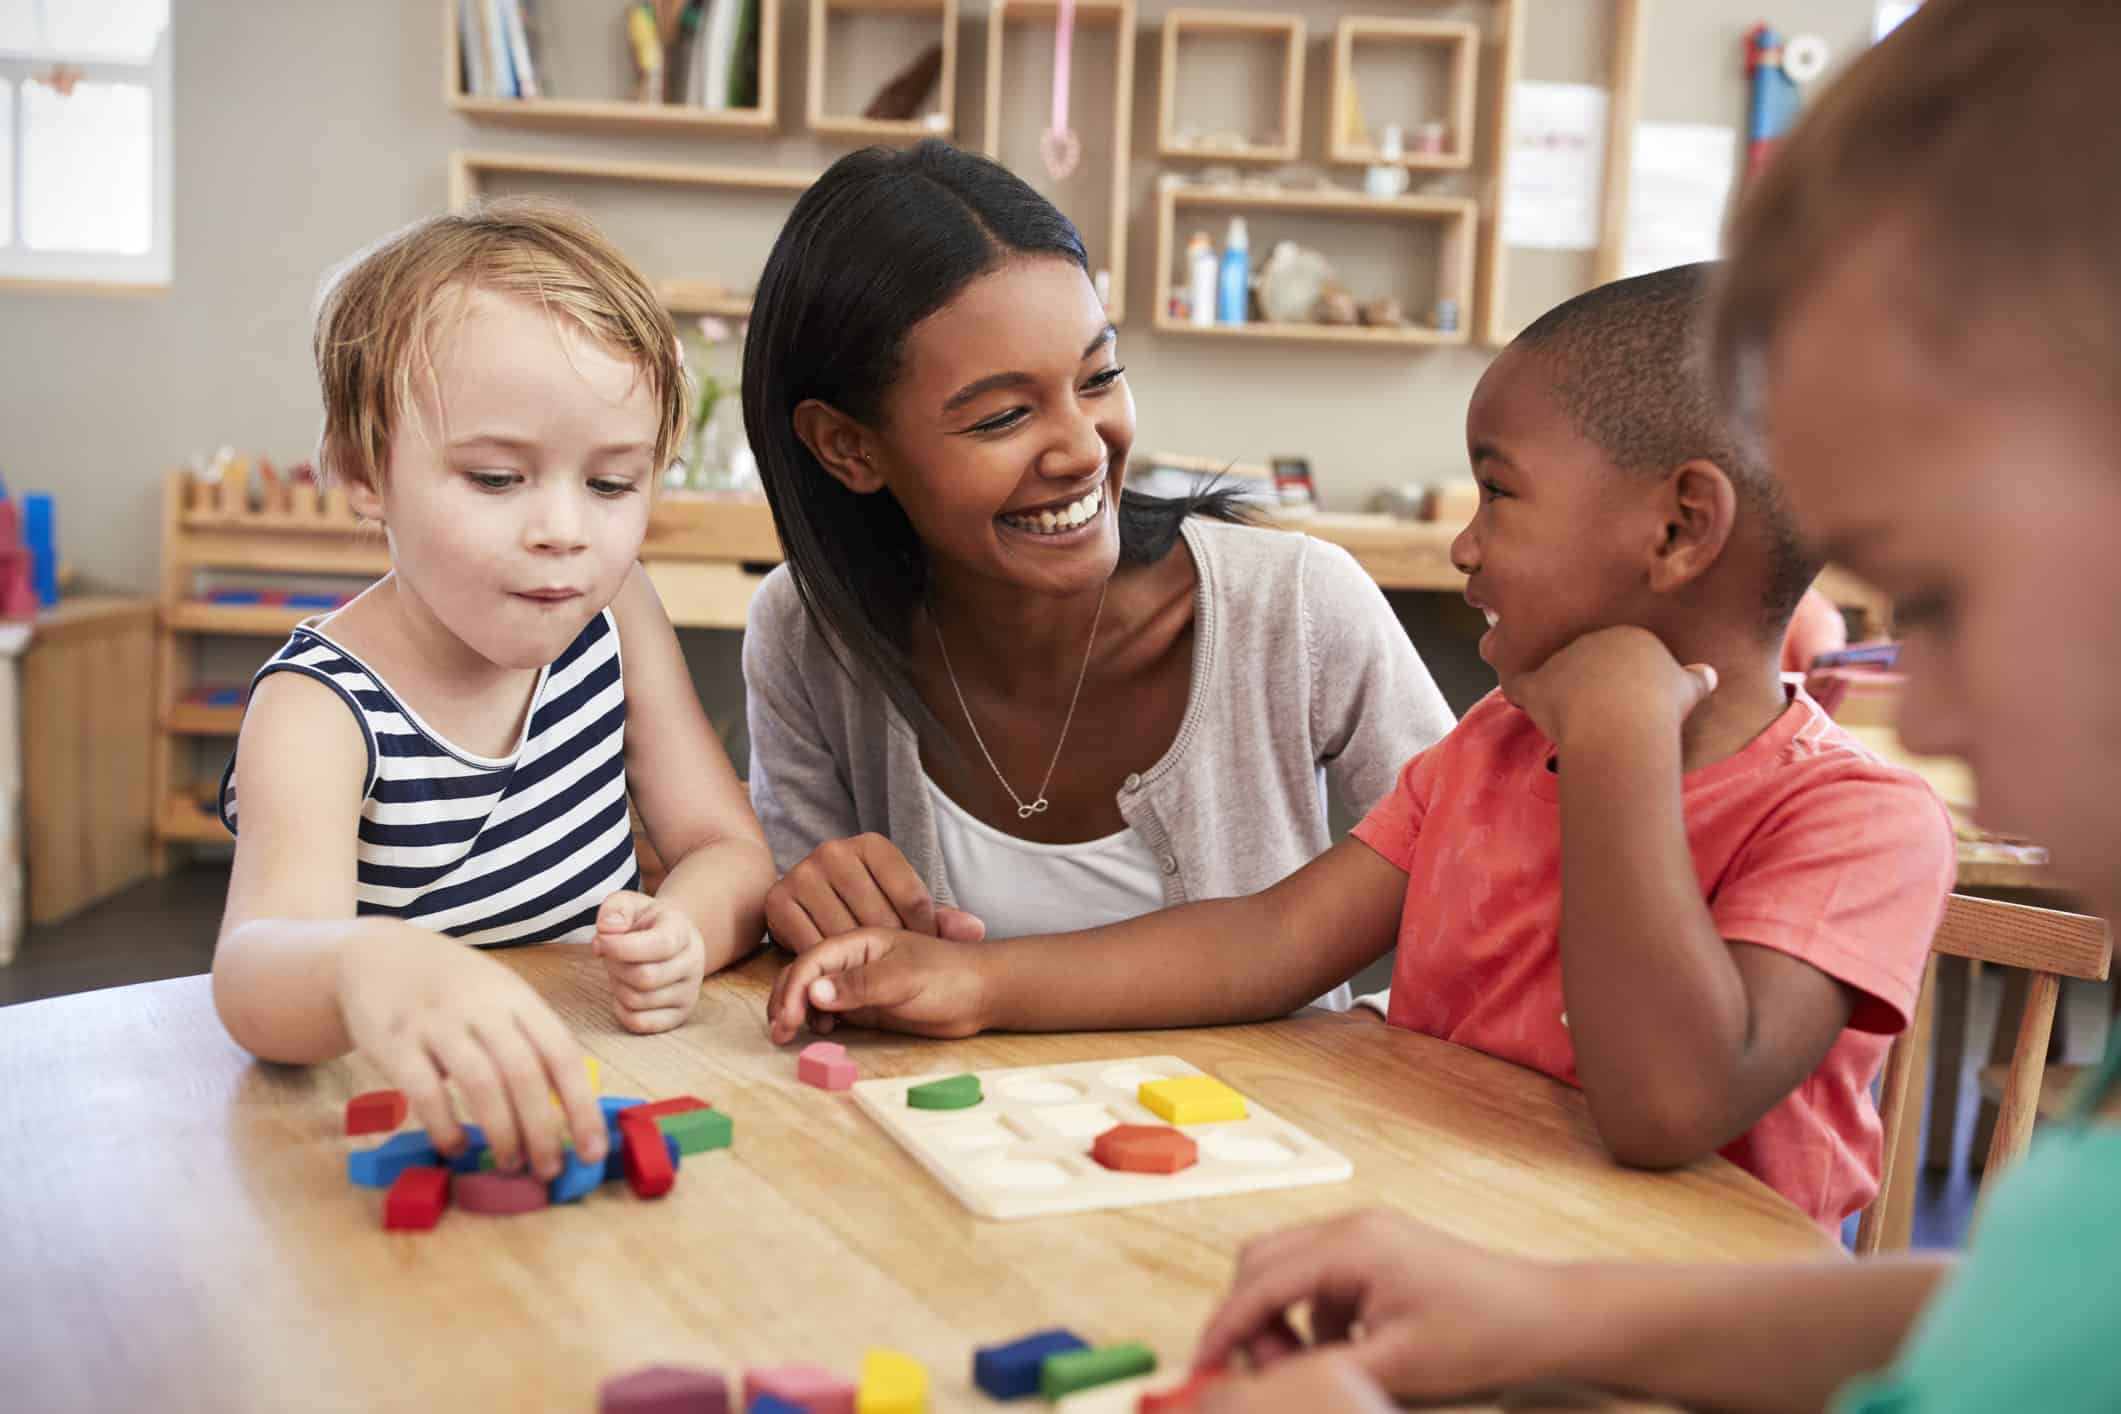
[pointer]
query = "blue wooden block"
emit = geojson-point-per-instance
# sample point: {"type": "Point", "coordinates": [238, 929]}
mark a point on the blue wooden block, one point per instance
{"type": "Point", "coordinates": [468, 1161]}
{"type": "Point", "coordinates": [767, 1404]}
{"type": "Point", "coordinates": [1011, 1371]}
{"type": "Point", "coordinates": [576, 1179]}
{"type": "Point", "coordinates": [379, 1167]}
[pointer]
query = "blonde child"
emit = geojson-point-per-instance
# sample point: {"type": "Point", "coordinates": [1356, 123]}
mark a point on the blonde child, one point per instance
{"type": "Point", "coordinates": [1681, 888]}
{"type": "Point", "coordinates": [448, 759]}
{"type": "Point", "coordinates": [1921, 312]}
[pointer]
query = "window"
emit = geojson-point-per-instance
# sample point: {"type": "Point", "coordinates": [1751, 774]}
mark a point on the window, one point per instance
{"type": "Point", "coordinates": [84, 142]}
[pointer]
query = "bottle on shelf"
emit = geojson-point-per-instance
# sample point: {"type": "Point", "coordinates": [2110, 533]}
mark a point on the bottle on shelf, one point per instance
{"type": "Point", "coordinates": [1234, 294]}
{"type": "Point", "coordinates": [1200, 283]}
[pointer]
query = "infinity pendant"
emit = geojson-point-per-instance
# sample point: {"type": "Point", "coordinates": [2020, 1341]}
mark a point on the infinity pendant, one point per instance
{"type": "Point", "coordinates": [1036, 807]}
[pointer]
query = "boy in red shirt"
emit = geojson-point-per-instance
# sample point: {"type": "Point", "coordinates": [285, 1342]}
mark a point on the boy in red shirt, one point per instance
{"type": "Point", "coordinates": [1642, 866]}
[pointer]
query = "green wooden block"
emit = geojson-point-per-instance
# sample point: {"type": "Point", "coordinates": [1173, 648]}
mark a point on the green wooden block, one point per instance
{"type": "Point", "coordinates": [956, 1092]}
{"type": "Point", "coordinates": [1068, 1371]}
{"type": "Point", "coordinates": [697, 1131]}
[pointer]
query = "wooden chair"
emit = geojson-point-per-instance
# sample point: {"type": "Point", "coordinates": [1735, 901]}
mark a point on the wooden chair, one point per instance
{"type": "Point", "coordinates": [2047, 944]}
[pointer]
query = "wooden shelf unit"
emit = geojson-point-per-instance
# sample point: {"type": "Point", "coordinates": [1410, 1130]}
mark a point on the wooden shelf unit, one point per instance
{"type": "Point", "coordinates": [853, 126]}
{"type": "Point", "coordinates": [1088, 13]}
{"type": "Point", "coordinates": [210, 529]}
{"type": "Point", "coordinates": [1459, 216]}
{"type": "Point", "coordinates": [467, 170]}
{"type": "Point", "coordinates": [616, 115]}
{"type": "Point", "coordinates": [1462, 43]}
{"type": "Point", "coordinates": [1288, 28]}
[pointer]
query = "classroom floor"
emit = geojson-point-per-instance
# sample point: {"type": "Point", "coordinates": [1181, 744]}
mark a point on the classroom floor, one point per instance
{"type": "Point", "coordinates": [165, 928]}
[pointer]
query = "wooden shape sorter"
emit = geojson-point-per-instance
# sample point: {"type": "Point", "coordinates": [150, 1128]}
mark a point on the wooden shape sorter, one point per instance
{"type": "Point", "coordinates": [1024, 1150]}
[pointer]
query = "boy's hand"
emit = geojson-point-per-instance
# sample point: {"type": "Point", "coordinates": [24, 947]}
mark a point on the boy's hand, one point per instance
{"type": "Point", "coordinates": [1425, 1315]}
{"type": "Point", "coordinates": [655, 958]}
{"type": "Point", "coordinates": [862, 882]}
{"type": "Point", "coordinates": [425, 1009]}
{"type": "Point", "coordinates": [1622, 677]}
{"type": "Point", "coordinates": [885, 978]}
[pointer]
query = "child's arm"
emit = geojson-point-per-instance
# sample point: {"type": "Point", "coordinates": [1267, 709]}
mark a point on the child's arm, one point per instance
{"type": "Point", "coordinates": [298, 978]}
{"type": "Point", "coordinates": [1433, 1318]}
{"type": "Point", "coordinates": [710, 908]}
{"type": "Point", "coordinates": [1202, 964]}
{"type": "Point", "coordinates": [1683, 1039]}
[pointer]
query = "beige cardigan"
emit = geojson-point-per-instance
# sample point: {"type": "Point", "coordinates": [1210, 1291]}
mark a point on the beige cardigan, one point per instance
{"type": "Point", "coordinates": [1302, 679]}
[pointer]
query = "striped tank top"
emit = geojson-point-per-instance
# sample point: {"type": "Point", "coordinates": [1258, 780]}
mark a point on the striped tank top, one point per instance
{"type": "Point", "coordinates": [497, 853]}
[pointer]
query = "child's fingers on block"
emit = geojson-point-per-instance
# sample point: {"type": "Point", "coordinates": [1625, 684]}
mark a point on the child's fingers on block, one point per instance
{"type": "Point", "coordinates": [411, 1071]}
{"type": "Point", "coordinates": [465, 1061]}
{"type": "Point", "coordinates": [562, 1059]}
{"type": "Point", "coordinates": [528, 1078]}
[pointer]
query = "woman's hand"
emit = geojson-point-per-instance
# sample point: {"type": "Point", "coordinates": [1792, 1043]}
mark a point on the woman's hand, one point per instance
{"type": "Point", "coordinates": [862, 882]}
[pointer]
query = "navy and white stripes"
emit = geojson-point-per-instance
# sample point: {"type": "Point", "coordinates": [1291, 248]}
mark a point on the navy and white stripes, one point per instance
{"type": "Point", "coordinates": [494, 852]}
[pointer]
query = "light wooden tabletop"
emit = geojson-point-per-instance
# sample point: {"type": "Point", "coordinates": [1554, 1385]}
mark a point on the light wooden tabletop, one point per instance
{"type": "Point", "coordinates": [177, 1231]}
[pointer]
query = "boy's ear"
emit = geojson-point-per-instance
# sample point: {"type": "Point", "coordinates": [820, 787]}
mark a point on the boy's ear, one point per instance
{"type": "Point", "coordinates": [362, 495]}
{"type": "Point", "coordinates": [840, 445]}
{"type": "Point", "coordinates": [1700, 509]}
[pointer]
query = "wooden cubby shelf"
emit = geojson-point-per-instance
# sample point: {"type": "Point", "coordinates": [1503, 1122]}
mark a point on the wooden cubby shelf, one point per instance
{"type": "Point", "coordinates": [853, 127]}
{"type": "Point", "coordinates": [1461, 45]}
{"type": "Point", "coordinates": [192, 719]}
{"type": "Point", "coordinates": [1458, 218]}
{"type": "Point", "coordinates": [1245, 25]}
{"type": "Point", "coordinates": [1117, 15]}
{"type": "Point", "coordinates": [615, 115]}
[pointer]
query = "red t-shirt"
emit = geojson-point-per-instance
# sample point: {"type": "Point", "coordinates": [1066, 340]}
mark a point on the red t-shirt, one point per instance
{"type": "Point", "coordinates": [1804, 842]}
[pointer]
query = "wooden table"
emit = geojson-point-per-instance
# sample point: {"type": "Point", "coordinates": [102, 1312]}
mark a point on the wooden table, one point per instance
{"type": "Point", "coordinates": [177, 1231]}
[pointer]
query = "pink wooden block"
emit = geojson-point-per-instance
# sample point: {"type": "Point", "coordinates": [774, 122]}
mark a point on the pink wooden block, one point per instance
{"type": "Point", "coordinates": [664, 1389]}
{"type": "Point", "coordinates": [805, 1386]}
{"type": "Point", "coordinates": [825, 1065]}
{"type": "Point", "coordinates": [500, 1193]}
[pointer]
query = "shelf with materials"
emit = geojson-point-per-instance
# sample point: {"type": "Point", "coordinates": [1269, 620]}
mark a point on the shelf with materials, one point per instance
{"type": "Point", "coordinates": [1108, 252]}
{"type": "Point", "coordinates": [616, 115]}
{"type": "Point", "coordinates": [1455, 220]}
{"type": "Point", "coordinates": [865, 17]}
{"type": "Point", "coordinates": [1230, 33]}
{"type": "Point", "coordinates": [1455, 44]}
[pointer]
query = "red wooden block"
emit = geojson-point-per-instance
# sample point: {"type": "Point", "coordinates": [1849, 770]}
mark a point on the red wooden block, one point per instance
{"type": "Point", "coordinates": [648, 1168]}
{"type": "Point", "coordinates": [664, 1389]}
{"type": "Point", "coordinates": [825, 1065]}
{"type": "Point", "coordinates": [677, 1105]}
{"type": "Point", "coordinates": [376, 1112]}
{"type": "Point", "coordinates": [808, 1388]}
{"type": "Point", "coordinates": [1145, 1148]}
{"type": "Point", "coordinates": [500, 1193]}
{"type": "Point", "coordinates": [1176, 1401]}
{"type": "Point", "coordinates": [416, 1200]}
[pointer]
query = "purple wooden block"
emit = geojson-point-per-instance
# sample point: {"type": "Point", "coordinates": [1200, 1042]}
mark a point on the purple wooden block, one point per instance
{"type": "Point", "coordinates": [665, 1389]}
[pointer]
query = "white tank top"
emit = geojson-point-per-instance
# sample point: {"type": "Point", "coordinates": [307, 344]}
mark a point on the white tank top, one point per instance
{"type": "Point", "coordinates": [1020, 886]}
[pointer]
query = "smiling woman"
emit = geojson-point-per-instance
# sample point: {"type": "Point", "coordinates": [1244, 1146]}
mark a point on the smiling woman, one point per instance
{"type": "Point", "coordinates": [992, 691]}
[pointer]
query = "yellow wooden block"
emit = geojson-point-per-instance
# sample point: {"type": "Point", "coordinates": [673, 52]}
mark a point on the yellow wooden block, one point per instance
{"type": "Point", "coordinates": [1192, 1099]}
{"type": "Point", "coordinates": [596, 1079]}
{"type": "Point", "coordinates": [891, 1384]}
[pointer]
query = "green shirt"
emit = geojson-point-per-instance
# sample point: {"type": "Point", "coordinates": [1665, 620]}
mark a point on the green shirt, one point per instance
{"type": "Point", "coordinates": [2033, 1319]}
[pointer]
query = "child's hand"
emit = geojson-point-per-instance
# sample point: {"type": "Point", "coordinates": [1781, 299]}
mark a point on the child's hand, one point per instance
{"type": "Point", "coordinates": [1437, 1317]}
{"type": "Point", "coordinates": [862, 882]}
{"type": "Point", "coordinates": [424, 1009]}
{"type": "Point", "coordinates": [656, 959]}
{"type": "Point", "coordinates": [885, 978]}
{"type": "Point", "coordinates": [1621, 676]}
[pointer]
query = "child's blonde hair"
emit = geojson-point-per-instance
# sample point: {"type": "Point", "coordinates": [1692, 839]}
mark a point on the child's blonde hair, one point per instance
{"type": "Point", "coordinates": [1977, 139]}
{"type": "Point", "coordinates": [377, 318]}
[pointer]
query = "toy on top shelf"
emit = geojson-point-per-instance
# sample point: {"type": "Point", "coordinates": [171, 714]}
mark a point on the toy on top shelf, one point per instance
{"type": "Point", "coordinates": [1443, 142]}
{"type": "Point", "coordinates": [918, 100]}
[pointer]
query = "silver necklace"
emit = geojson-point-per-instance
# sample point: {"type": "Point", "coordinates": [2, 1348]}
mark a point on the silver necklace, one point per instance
{"type": "Point", "coordinates": [1040, 805]}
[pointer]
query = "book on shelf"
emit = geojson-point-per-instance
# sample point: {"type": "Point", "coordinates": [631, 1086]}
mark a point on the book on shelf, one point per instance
{"type": "Point", "coordinates": [519, 29]}
{"type": "Point", "coordinates": [498, 39]}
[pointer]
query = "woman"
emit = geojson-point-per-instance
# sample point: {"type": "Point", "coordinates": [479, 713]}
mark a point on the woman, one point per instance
{"type": "Point", "coordinates": [992, 691]}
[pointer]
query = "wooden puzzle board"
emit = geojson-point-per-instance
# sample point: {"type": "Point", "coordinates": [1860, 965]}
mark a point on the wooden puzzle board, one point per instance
{"type": "Point", "coordinates": [1024, 1150]}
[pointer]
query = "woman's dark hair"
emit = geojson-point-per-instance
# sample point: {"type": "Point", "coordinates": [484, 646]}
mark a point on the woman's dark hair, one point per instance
{"type": "Point", "coordinates": [883, 240]}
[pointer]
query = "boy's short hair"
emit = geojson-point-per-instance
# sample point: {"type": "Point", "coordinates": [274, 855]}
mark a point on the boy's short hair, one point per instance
{"type": "Point", "coordinates": [378, 314]}
{"type": "Point", "coordinates": [1977, 140]}
{"type": "Point", "coordinates": [1629, 362]}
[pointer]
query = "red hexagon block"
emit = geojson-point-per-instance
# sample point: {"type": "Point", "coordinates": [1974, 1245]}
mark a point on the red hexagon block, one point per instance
{"type": "Point", "coordinates": [1145, 1148]}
